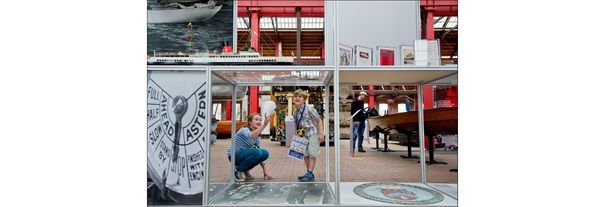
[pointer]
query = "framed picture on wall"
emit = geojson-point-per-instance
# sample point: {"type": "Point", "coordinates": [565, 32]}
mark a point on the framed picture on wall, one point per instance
{"type": "Point", "coordinates": [345, 55]}
{"type": "Point", "coordinates": [386, 56]}
{"type": "Point", "coordinates": [427, 53]}
{"type": "Point", "coordinates": [434, 52]}
{"type": "Point", "coordinates": [407, 54]}
{"type": "Point", "coordinates": [363, 56]}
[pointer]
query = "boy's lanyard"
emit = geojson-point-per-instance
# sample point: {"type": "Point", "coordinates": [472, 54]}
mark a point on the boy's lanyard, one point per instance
{"type": "Point", "coordinates": [300, 117]}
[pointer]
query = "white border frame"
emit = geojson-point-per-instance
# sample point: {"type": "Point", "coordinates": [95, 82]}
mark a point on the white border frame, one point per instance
{"type": "Point", "coordinates": [334, 70]}
{"type": "Point", "coordinates": [351, 54]}
{"type": "Point", "coordinates": [401, 49]}
{"type": "Point", "coordinates": [356, 51]}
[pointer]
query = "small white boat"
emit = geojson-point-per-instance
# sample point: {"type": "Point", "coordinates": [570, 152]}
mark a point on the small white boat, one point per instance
{"type": "Point", "coordinates": [177, 12]}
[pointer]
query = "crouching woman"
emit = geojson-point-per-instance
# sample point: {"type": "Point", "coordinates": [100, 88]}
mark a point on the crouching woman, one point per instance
{"type": "Point", "coordinates": [248, 153]}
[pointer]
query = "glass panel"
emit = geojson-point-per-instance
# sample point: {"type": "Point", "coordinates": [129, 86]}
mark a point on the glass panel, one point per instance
{"type": "Point", "coordinates": [401, 108]}
{"type": "Point", "coordinates": [390, 156]}
{"type": "Point", "coordinates": [382, 109]}
{"type": "Point", "coordinates": [286, 22]}
{"type": "Point", "coordinates": [312, 23]}
{"type": "Point", "coordinates": [441, 128]}
{"type": "Point", "coordinates": [215, 108]}
{"type": "Point", "coordinates": [219, 165]}
{"type": "Point", "coordinates": [243, 22]}
{"type": "Point", "coordinates": [285, 187]}
{"type": "Point", "coordinates": [265, 23]}
{"type": "Point", "coordinates": [238, 112]}
{"type": "Point", "coordinates": [439, 21]}
{"type": "Point", "coordinates": [452, 23]}
{"type": "Point", "coordinates": [306, 22]}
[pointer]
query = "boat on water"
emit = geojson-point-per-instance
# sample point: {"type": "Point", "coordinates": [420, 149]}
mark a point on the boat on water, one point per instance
{"type": "Point", "coordinates": [208, 58]}
{"type": "Point", "coordinates": [248, 56]}
{"type": "Point", "coordinates": [181, 11]}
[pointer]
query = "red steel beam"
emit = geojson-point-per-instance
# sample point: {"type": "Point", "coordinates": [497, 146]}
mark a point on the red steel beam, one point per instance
{"type": "Point", "coordinates": [441, 7]}
{"type": "Point", "coordinates": [281, 11]}
{"type": "Point", "coordinates": [283, 3]}
{"type": "Point", "coordinates": [275, 8]}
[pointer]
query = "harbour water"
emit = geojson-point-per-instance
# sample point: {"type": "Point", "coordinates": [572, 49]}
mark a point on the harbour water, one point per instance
{"type": "Point", "coordinates": [207, 35]}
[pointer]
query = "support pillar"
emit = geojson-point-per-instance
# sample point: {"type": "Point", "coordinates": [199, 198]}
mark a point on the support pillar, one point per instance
{"type": "Point", "coordinates": [298, 34]}
{"type": "Point", "coordinates": [430, 31]}
{"type": "Point", "coordinates": [327, 129]}
{"type": "Point", "coordinates": [421, 135]}
{"type": "Point", "coordinates": [277, 48]}
{"type": "Point", "coordinates": [280, 49]}
{"type": "Point", "coordinates": [452, 94]}
{"type": "Point", "coordinates": [289, 103]}
{"type": "Point", "coordinates": [427, 96]}
{"type": "Point", "coordinates": [371, 96]}
{"type": "Point", "coordinates": [253, 100]}
{"type": "Point", "coordinates": [228, 110]}
{"type": "Point", "coordinates": [254, 30]}
{"type": "Point", "coordinates": [430, 35]}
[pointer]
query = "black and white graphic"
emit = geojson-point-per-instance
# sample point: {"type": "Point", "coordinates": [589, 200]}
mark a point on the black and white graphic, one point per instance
{"type": "Point", "coordinates": [176, 129]}
{"type": "Point", "coordinates": [168, 31]}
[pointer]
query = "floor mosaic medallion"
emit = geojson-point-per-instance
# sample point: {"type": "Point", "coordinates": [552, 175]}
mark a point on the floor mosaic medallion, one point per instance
{"type": "Point", "coordinates": [398, 193]}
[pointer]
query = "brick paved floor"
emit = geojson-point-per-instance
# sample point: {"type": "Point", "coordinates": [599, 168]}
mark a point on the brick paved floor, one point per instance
{"type": "Point", "coordinates": [372, 166]}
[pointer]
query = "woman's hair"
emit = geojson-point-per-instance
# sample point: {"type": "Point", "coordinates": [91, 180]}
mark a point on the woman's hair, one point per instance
{"type": "Point", "coordinates": [250, 118]}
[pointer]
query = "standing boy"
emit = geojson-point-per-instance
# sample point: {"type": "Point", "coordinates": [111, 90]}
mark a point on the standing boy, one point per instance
{"type": "Point", "coordinates": [309, 126]}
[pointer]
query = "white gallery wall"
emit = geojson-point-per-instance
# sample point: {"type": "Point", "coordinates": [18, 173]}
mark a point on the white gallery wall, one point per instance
{"type": "Point", "coordinates": [373, 24]}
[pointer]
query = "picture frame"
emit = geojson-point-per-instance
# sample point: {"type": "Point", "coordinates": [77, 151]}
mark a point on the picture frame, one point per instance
{"type": "Point", "coordinates": [427, 53]}
{"type": "Point", "coordinates": [386, 56]}
{"type": "Point", "coordinates": [434, 52]}
{"type": "Point", "coordinates": [345, 55]}
{"type": "Point", "coordinates": [407, 54]}
{"type": "Point", "coordinates": [363, 56]}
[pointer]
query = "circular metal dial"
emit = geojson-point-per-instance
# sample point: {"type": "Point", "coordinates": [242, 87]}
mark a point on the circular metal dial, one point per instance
{"type": "Point", "coordinates": [177, 129]}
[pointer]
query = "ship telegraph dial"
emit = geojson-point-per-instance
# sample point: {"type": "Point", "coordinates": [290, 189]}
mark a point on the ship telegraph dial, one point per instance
{"type": "Point", "coordinates": [176, 130]}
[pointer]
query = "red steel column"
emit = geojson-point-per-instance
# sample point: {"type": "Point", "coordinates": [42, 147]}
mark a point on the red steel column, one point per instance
{"type": "Point", "coordinates": [427, 91]}
{"type": "Point", "coordinates": [228, 109]}
{"type": "Point", "coordinates": [254, 30]}
{"type": "Point", "coordinates": [298, 34]}
{"type": "Point", "coordinates": [253, 100]}
{"type": "Point", "coordinates": [371, 98]}
{"type": "Point", "coordinates": [430, 31]}
{"type": "Point", "coordinates": [276, 48]}
{"type": "Point", "coordinates": [430, 35]}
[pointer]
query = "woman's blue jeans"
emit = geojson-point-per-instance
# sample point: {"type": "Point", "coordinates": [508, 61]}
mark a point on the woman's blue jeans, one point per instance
{"type": "Point", "coordinates": [246, 159]}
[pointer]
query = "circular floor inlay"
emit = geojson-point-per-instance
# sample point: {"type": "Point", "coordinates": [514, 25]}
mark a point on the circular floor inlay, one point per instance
{"type": "Point", "coordinates": [398, 193]}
